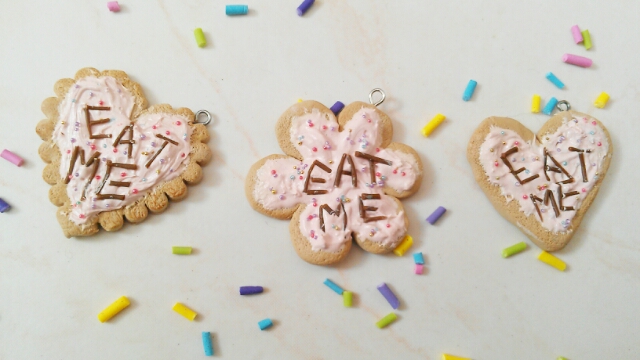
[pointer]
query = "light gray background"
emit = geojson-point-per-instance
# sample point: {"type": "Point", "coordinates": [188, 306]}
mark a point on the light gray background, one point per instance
{"type": "Point", "coordinates": [470, 302]}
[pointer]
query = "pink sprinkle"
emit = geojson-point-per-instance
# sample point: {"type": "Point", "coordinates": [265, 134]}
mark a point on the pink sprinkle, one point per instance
{"type": "Point", "coordinates": [584, 190]}
{"type": "Point", "coordinates": [183, 154]}
{"type": "Point", "coordinates": [178, 123]}
{"type": "Point", "coordinates": [377, 149]}
{"type": "Point", "coordinates": [300, 177]}
{"type": "Point", "coordinates": [101, 102]}
{"type": "Point", "coordinates": [599, 143]}
{"type": "Point", "coordinates": [388, 225]}
{"type": "Point", "coordinates": [516, 143]}
{"type": "Point", "coordinates": [395, 171]}
{"type": "Point", "coordinates": [403, 174]}
{"type": "Point", "coordinates": [68, 151]}
{"type": "Point", "coordinates": [525, 196]}
{"type": "Point", "coordinates": [168, 132]}
{"type": "Point", "coordinates": [324, 127]}
{"type": "Point", "coordinates": [593, 123]}
{"type": "Point", "coordinates": [495, 163]}
{"type": "Point", "coordinates": [273, 172]}
{"type": "Point", "coordinates": [92, 146]}
{"type": "Point", "coordinates": [97, 177]}
{"type": "Point", "coordinates": [123, 174]}
{"type": "Point", "coordinates": [134, 191]}
{"type": "Point", "coordinates": [310, 124]}
{"type": "Point", "coordinates": [314, 149]}
{"type": "Point", "coordinates": [12, 158]}
{"type": "Point", "coordinates": [81, 216]}
{"type": "Point", "coordinates": [154, 127]}
{"type": "Point", "coordinates": [419, 269]}
{"type": "Point", "coordinates": [113, 6]}
{"type": "Point", "coordinates": [115, 150]}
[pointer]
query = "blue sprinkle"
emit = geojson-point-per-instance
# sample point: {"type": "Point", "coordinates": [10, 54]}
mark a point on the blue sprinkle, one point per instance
{"type": "Point", "coordinates": [333, 286]}
{"type": "Point", "coordinates": [265, 324]}
{"type": "Point", "coordinates": [418, 258]}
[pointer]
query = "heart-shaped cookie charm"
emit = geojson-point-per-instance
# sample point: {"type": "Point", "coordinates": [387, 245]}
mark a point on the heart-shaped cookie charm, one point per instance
{"type": "Point", "coordinates": [544, 183]}
{"type": "Point", "coordinates": [111, 157]}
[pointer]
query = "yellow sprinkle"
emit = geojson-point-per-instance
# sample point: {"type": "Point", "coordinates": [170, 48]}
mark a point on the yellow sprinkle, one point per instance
{"type": "Point", "coordinates": [452, 357]}
{"type": "Point", "coordinates": [405, 244]}
{"type": "Point", "coordinates": [184, 311]}
{"type": "Point", "coordinates": [158, 171]}
{"type": "Point", "coordinates": [145, 153]}
{"type": "Point", "coordinates": [113, 309]}
{"type": "Point", "coordinates": [535, 104]}
{"type": "Point", "coordinates": [330, 161]}
{"type": "Point", "coordinates": [602, 100]}
{"type": "Point", "coordinates": [491, 149]}
{"type": "Point", "coordinates": [299, 100]}
{"type": "Point", "coordinates": [504, 143]}
{"type": "Point", "coordinates": [552, 260]}
{"type": "Point", "coordinates": [299, 142]}
{"type": "Point", "coordinates": [273, 191]}
{"type": "Point", "coordinates": [433, 124]}
{"type": "Point", "coordinates": [62, 122]}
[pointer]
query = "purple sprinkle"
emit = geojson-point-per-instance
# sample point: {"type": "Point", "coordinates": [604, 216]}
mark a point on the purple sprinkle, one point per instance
{"type": "Point", "coordinates": [436, 215]}
{"type": "Point", "coordinates": [4, 206]}
{"type": "Point", "coordinates": [73, 140]}
{"type": "Point", "coordinates": [249, 290]}
{"type": "Point", "coordinates": [337, 107]}
{"type": "Point", "coordinates": [389, 295]}
{"type": "Point", "coordinates": [153, 143]}
{"type": "Point", "coordinates": [306, 4]}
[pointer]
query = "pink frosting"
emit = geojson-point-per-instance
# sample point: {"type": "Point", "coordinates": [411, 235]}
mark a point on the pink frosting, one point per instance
{"type": "Point", "coordinates": [317, 137]}
{"type": "Point", "coordinates": [577, 132]}
{"type": "Point", "coordinates": [71, 131]}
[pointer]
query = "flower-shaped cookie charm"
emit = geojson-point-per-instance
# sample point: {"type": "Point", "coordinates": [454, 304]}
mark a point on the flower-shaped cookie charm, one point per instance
{"type": "Point", "coordinates": [339, 181]}
{"type": "Point", "coordinates": [110, 157]}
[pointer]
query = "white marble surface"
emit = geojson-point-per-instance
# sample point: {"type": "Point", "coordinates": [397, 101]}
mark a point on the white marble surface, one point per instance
{"type": "Point", "coordinates": [470, 302]}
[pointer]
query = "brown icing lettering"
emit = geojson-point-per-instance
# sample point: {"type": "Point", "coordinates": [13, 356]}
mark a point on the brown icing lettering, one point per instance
{"type": "Point", "coordinates": [130, 141]}
{"type": "Point", "coordinates": [340, 172]}
{"type": "Point", "coordinates": [557, 169]}
{"type": "Point", "coordinates": [372, 161]}
{"type": "Point", "coordinates": [336, 213]}
{"type": "Point", "coordinates": [581, 156]}
{"type": "Point", "coordinates": [315, 180]}
{"type": "Point", "coordinates": [77, 152]}
{"type": "Point", "coordinates": [110, 165]}
{"type": "Point", "coordinates": [513, 172]}
{"type": "Point", "coordinates": [91, 123]}
{"type": "Point", "coordinates": [363, 209]}
{"type": "Point", "coordinates": [166, 141]}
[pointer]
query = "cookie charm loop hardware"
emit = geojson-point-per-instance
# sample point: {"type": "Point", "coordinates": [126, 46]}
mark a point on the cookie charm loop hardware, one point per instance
{"type": "Point", "coordinates": [566, 104]}
{"type": "Point", "coordinates": [197, 116]}
{"type": "Point", "coordinates": [377, 90]}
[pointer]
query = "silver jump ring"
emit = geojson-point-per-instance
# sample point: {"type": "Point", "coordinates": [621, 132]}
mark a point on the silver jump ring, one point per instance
{"type": "Point", "coordinates": [377, 90]}
{"type": "Point", "coordinates": [566, 105]}
{"type": "Point", "coordinates": [197, 116]}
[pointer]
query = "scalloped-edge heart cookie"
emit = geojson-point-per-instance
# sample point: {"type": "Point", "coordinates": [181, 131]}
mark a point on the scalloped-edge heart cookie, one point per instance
{"type": "Point", "coordinates": [110, 157]}
{"type": "Point", "coordinates": [543, 183]}
{"type": "Point", "coordinates": [339, 181]}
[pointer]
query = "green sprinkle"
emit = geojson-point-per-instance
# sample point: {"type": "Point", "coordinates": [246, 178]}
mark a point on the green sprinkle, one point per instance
{"type": "Point", "coordinates": [514, 249]}
{"type": "Point", "coordinates": [347, 298]}
{"type": "Point", "coordinates": [562, 358]}
{"type": "Point", "coordinates": [182, 250]}
{"type": "Point", "coordinates": [200, 39]}
{"type": "Point", "coordinates": [586, 39]}
{"type": "Point", "coordinates": [386, 320]}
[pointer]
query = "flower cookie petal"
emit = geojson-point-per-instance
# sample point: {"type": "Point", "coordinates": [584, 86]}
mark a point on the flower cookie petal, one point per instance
{"type": "Point", "coordinates": [274, 186]}
{"type": "Point", "coordinates": [382, 236]}
{"type": "Point", "coordinates": [385, 132]}
{"type": "Point", "coordinates": [285, 127]}
{"type": "Point", "coordinates": [309, 250]}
